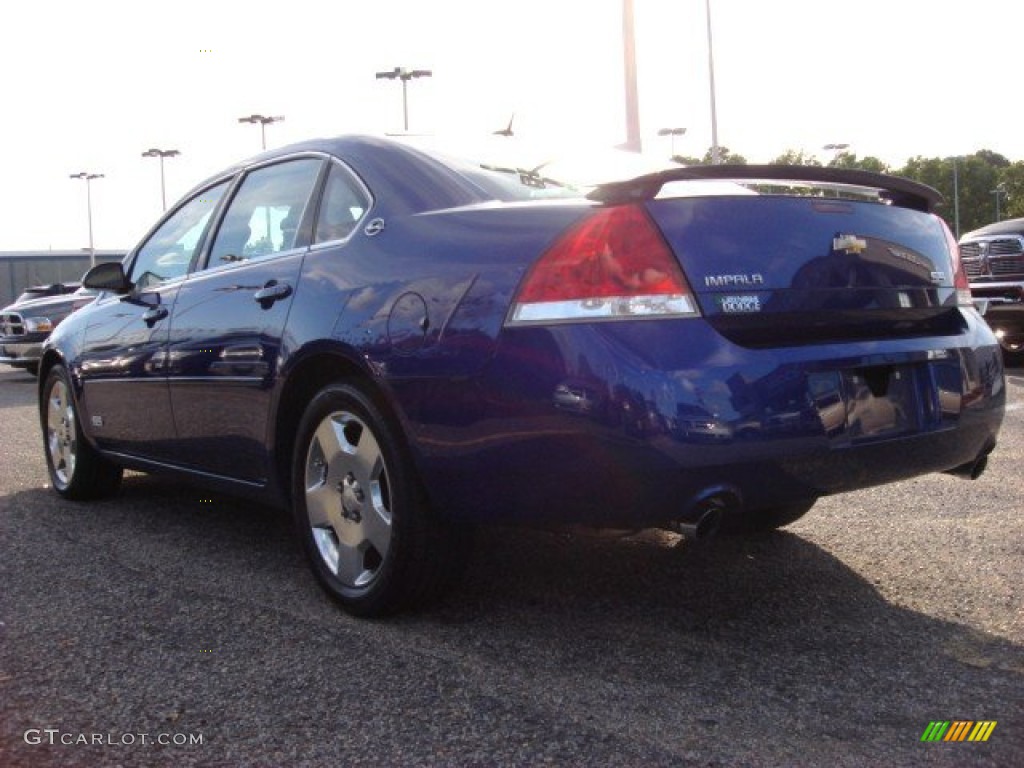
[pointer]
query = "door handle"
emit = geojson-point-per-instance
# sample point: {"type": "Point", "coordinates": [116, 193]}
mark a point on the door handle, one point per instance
{"type": "Point", "coordinates": [151, 316]}
{"type": "Point", "coordinates": [271, 292]}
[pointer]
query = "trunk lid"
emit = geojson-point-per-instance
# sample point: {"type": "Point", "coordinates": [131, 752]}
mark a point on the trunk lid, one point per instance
{"type": "Point", "coordinates": [770, 269]}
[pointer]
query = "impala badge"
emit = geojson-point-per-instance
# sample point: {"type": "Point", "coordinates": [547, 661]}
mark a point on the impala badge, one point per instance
{"type": "Point", "coordinates": [752, 280]}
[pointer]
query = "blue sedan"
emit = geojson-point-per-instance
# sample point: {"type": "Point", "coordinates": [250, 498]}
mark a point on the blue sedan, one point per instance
{"type": "Point", "coordinates": [395, 341]}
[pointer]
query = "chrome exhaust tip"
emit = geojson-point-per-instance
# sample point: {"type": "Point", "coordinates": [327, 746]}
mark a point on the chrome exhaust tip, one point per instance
{"type": "Point", "coordinates": [705, 514]}
{"type": "Point", "coordinates": [703, 527]}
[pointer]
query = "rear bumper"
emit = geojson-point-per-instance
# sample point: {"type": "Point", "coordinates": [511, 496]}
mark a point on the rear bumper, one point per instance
{"type": "Point", "coordinates": [778, 425]}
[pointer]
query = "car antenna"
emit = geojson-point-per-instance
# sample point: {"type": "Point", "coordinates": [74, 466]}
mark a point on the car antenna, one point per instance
{"type": "Point", "coordinates": [507, 131]}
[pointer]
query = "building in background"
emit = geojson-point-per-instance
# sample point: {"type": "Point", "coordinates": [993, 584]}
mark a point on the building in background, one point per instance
{"type": "Point", "coordinates": [21, 269]}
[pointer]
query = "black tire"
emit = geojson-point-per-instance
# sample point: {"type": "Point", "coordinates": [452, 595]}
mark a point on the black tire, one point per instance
{"type": "Point", "coordinates": [763, 520]}
{"type": "Point", "coordinates": [372, 540]}
{"type": "Point", "coordinates": [1013, 356]}
{"type": "Point", "coordinates": [77, 470]}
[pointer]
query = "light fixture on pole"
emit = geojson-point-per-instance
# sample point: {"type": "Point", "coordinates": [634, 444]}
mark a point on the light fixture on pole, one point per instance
{"type": "Point", "coordinates": [672, 132]}
{"type": "Point", "coordinates": [838, 149]}
{"type": "Point", "coordinates": [263, 122]}
{"type": "Point", "coordinates": [405, 75]}
{"type": "Point", "coordinates": [161, 153]}
{"type": "Point", "coordinates": [87, 178]}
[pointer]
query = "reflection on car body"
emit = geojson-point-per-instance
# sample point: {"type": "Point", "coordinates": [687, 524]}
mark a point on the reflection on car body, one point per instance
{"type": "Point", "coordinates": [695, 423]}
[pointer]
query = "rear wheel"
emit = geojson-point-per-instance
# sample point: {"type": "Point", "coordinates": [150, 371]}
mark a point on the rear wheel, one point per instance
{"type": "Point", "coordinates": [77, 470]}
{"type": "Point", "coordinates": [761, 520]}
{"type": "Point", "coordinates": [372, 540]}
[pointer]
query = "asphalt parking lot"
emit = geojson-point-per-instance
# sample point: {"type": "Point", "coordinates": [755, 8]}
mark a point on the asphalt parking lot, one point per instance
{"type": "Point", "coordinates": [133, 629]}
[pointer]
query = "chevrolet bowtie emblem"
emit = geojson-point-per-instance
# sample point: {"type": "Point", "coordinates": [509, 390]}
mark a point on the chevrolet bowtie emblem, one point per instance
{"type": "Point", "coordinates": [849, 244]}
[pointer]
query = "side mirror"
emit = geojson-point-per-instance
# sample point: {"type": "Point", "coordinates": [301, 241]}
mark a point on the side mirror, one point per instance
{"type": "Point", "coordinates": [109, 276]}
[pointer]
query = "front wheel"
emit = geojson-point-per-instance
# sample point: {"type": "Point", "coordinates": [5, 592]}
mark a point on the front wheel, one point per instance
{"type": "Point", "coordinates": [77, 470]}
{"type": "Point", "coordinates": [372, 540]}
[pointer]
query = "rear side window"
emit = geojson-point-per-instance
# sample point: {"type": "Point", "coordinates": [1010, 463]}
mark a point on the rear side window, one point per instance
{"type": "Point", "coordinates": [168, 253]}
{"type": "Point", "coordinates": [343, 206]}
{"type": "Point", "coordinates": [263, 218]}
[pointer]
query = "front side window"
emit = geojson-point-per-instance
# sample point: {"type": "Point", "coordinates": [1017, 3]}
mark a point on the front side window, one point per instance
{"type": "Point", "coordinates": [264, 216]}
{"type": "Point", "coordinates": [168, 253]}
{"type": "Point", "coordinates": [343, 206]}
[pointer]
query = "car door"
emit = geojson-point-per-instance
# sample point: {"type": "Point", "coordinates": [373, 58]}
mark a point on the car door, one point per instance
{"type": "Point", "coordinates": [229, 316]}
{"type": "Point", "coordinates": [122, 361]}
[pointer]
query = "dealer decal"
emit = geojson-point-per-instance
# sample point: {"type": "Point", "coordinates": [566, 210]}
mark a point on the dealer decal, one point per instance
{"type": "Point", "coordinates": [739, 304]}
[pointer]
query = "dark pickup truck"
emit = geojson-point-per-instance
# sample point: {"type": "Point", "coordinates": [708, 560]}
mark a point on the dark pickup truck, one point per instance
{"type": "Point", "coordinates": [994, 259]}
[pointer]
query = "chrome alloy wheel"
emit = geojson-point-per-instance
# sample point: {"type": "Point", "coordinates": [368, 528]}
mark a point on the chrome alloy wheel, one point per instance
{"type": "Point", "coordinates": [348, 499]}
{"type": "Point", "coordinates": [61, 434]}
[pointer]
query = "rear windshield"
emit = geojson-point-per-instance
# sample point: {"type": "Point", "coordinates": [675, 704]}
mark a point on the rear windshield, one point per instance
{"type": "Point", "coordinates": [510, 183]}
{"type": "Point", "coordinates": [509, 169]}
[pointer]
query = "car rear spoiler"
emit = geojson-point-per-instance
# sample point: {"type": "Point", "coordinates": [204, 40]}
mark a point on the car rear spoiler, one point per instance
{"type": "Point", "coordinates": [893, 190]}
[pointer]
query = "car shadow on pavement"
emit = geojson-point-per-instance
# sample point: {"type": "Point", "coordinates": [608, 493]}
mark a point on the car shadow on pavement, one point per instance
{"type": "Point", "coordinates": [764, 638]}
{"type": "Point", "coordinates": [772, 623]}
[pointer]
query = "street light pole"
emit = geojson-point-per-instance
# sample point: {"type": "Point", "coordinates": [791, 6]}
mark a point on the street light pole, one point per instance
{"type": "Point", "coordinates": [263, 122]}
{"type": "Point", "coordinates": [715, 154]}
{"type": "Point", "coordinates": [999, 191]}
{"type": "Point", "coordinates": [161, 153]}
{"type": "Point", "coordinates": [88, 177]}
{"type": "Point", "coordinates": [956, 197]}
{"type": "Point", "coordinates": [672, 133]}
{"type": "Point", "coordinates": [632, 94]}
{"type": "Point", "coordinates": [405, 75]}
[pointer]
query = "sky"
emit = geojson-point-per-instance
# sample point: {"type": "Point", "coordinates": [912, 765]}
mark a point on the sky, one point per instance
{"type": "Point", "coordinates": [89, 86]}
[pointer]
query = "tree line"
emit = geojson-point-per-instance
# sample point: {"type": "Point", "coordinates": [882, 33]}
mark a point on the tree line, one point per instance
{"type": "Point", "coordinates": [989, 187]}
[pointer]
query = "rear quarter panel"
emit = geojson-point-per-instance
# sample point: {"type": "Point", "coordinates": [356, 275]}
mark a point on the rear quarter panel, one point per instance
{"type": "Point", "coordinates": [426, 297]}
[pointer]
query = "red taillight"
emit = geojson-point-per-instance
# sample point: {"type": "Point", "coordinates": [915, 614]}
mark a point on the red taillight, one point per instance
{"type": "Point", "coordinates": [613, 264]}
{"type": "Point", "coordinates": [960, 282]}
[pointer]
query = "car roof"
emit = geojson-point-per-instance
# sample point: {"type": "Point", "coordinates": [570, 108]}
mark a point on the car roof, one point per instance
{"type": "Point", "coordinates": [411, 179]}
{"type": "Point", "coordinates": [415, 174]}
